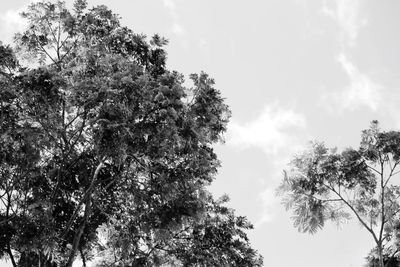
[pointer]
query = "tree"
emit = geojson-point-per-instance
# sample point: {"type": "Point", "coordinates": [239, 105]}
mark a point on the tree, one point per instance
{"type": "Point", "coordinates": [326, 185]}
{"type": "Point", "coordinates": [105, 152]}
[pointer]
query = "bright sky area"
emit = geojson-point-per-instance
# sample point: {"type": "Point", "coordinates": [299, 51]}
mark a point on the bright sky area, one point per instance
{"type": "Point", "coordinates": [291, 71]}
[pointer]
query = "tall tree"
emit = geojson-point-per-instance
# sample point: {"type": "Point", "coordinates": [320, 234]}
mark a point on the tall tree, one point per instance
{"type": "Point", "coordinates": [326, 185]}
{"type": "Point", "coordinates": [104, 151]}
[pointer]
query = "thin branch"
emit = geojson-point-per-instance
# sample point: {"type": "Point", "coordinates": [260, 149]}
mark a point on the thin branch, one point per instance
{"type": "Point", "coordinates": [79, 132]}
{"type": "Point", "coordinates": [56, 47]}
{"type": "Point", "coordinates": [396, 173]}
{"type": "Point", "coordinates": [355, 213]}
{"type": "Point", "coordinates": [372, 168]}
{"type": "Point", "coordinates": [395, 252]}
{"type": "Point", "coordinates": [320, 199]}
{"type": "Point", "coordinates": [9, 252]}
{"type": "Point", "coordinates": [388, 160]}
{"type": "Point", "coordinates": [84, 198]}
{"type": "Point", "coordinates": [64, 41]}
{"type": "Point", "coordinates": [82, 256]}
{"type": "Point", "coordinates": [69, 50]}
{"type": "Point", "coordinates": [391, 172]}
{"type": "Point", "coordinates": [44, 50]}
{"type": "Point", "coordinates": [59, 37]}
{"type": "Point", "coordinates": [382, 201]}
{"type": "Point", "coordinates": [78, 114]}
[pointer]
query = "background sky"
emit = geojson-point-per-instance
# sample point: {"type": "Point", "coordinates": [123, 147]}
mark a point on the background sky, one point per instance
{"type": "Point", "coordinates": [291, 71]}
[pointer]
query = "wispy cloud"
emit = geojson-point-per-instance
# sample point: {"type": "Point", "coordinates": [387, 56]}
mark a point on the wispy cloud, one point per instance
{"type": "Point", "coordinates": [202, 43]}
{"type": "Point", "coordinates": [272, 130]}
{"type": "Point", "coordinates": [279, 132]}
{"type": "Point", "coordinates": [177, 28]}
{"type": "Point", "coordinates": [170, 4]}
{"type": "Point", "coordinates": [348, 16]}
{"type": "Point", "coordinates": [360, 92]}
{"type": "Point", "coordinates": [270, 202]}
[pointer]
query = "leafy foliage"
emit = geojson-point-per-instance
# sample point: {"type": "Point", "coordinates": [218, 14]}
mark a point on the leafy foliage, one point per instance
{"type": "Point", "coordinates": [326, 185]}
{"type": "Point", "coordinates": [105, 153]}
{"type": "Point", "coordinates": [216, 239]}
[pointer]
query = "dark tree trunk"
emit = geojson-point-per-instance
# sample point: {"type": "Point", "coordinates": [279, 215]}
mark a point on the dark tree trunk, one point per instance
{"type": "Point", "coordinates": [88, 203]}
{"type": "Point", "coordinates": [32, 259]}
{"type": "Point", "coordinates": [380, 255]}
{"type": "Point", "coordinates": [9, 252]}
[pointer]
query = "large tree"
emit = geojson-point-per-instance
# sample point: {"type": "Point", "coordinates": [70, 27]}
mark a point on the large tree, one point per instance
{"type": "Point", "coordinates": [104, 153]}
{"type": "Point", "coordinates": [324, 184]}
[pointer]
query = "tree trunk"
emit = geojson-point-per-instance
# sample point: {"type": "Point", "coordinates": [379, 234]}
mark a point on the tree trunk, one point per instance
{"type": "Point", "coordinates": [82, 257]}
{"type": "Point", "coordinates": [9, 252]}
{"type": "Point", "coordinates": [380, 254]}
{"type": "Point", "coordinates": [88, 203]}
{"type": "Point", "coordinates": [32, 259]}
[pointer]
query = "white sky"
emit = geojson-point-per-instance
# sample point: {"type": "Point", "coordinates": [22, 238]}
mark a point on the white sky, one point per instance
{"type": "Point", "coordinates": [291, 71]}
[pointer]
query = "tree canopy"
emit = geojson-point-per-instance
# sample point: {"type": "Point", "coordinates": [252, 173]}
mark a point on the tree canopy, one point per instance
{"type": "Point", "coordinates": [104, 153]}
{"type": "Point", "coordinates": [326, 185]}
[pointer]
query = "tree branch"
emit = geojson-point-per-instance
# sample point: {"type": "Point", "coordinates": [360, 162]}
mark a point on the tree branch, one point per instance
{"type": "Point", "coordinates": [9, 252]}
{"type": "Point", "coordinates": [391, 172]}
{"type": "Point", "coordinates": [44, 50]}
{"type": "Point", "coordinates": [355, 213]}
{"type": "Point", "coordinates": [86, 215]}
{"type": "Point", "coordinates": [382, 201]}
{"type": "Point", "coordinates": [372, 168]}
{"type": "Point", "coordinates": [82, 256]}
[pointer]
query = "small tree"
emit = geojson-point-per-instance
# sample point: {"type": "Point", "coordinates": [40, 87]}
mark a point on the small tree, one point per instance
{"type": "Point", "coordinates": [326, 185]}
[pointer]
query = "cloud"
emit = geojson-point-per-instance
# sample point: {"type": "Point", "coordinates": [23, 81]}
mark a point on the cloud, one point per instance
{"type": "Point", "coordinates": [347, 14]}
{"type": "Point", "coordinates": [10, 23]}
{"type": "Point", "coordinates": [361, 91]}
{"type": "Point", "coordinates": [202, 43]}
{"type": "Point", "coordinates": [279, 132]}
{"type": "Point", "coordinates": [170, 4]}
{"type": "Point", "coordinates": [270, 202]}
{"type": "Point", "coordinates": [177, 28]}
{"type": "Point", "coordinates": [272, 130]}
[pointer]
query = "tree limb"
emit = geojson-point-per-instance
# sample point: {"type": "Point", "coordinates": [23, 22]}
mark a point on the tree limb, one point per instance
{"type": "Point", "coordinates": [355, 213]}
{"type": "Point", "coordinates": [86, 215]}
{"type": "Point", "coordinates": [9, 252]}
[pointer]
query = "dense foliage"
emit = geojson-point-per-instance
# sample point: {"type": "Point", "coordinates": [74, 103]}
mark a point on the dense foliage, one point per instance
{"type": "Point", "coordinates": [326, 185]}
{"type": "Point", "coordinates": [104, 153]}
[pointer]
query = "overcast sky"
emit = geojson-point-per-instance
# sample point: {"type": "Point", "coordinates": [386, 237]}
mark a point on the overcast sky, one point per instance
{"type": "Point", "coordinates": [291, 71]}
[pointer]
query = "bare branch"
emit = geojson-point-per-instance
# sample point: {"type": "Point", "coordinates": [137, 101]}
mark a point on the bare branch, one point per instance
{"type": "Point", "coordinates": [391, 172]}
{"type": "Point", "coordinates": [372, 168]}
{"type": "Point", "coordinates": [355, 213]}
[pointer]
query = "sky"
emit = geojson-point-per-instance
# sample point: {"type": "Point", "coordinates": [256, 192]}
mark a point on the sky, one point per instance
{"type": "Point", "coordinates": [291, 71]}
